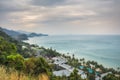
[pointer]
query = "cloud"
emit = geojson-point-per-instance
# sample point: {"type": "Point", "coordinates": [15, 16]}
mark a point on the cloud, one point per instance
{"type": "Point", "coordinates": [46, 2]}
{"type": "Point", "coordinates": [79, 15]}
{"type": "Point", "coordinates": [12, 6]}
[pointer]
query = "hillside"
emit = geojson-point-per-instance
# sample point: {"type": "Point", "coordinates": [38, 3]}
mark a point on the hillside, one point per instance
{"type": "Point", "coordinates": [21, 35]}
{"type": "Point", "coordinates": [11, 59]}
{"type": "Point", "coordinates": [15, 75]}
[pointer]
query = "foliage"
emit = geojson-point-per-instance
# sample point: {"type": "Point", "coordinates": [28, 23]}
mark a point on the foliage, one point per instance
{"type": "Point", "coordinates": [111, 77]}
{"type": "Point", "coordinates": [16, 61]}
{"type": "Point", "coordinates": [74, 75]}
{"type": "Point", "coordinates": [10, 58]}
{"type": "Point", "coordinates": [35, 66]}
{"type": "Point", "coordinates": [6, 49]}
{"type": "Point", "coordinates": [49, 52]}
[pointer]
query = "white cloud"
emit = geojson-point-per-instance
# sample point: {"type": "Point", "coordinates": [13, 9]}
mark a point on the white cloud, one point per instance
{"type": "Point", "coordinates": [82, 16]}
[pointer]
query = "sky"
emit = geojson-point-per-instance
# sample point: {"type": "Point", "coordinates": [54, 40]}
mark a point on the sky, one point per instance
{"type": "Point", "coordinates": [61, 16]}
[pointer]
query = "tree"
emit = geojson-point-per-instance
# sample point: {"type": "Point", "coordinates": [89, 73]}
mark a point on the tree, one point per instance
{"type": "Point", "coordinates": [74, 75]}
{"type": "Point", "coordinates": [91, 76]}
{"type": "Point", "coordinates": [6, 49]}
{"type": "Point", "coordinates": [16, 61]}
{"type": "Point", "coordinates": [111, 77]}
{"type": "Point", "coordinates": [35, 66]}
{"type": "Point", "coordinates": [73, 56]}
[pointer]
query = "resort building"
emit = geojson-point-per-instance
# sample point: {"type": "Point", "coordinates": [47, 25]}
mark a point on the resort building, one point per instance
{"type": "Point", "coordinates": [60, 61]}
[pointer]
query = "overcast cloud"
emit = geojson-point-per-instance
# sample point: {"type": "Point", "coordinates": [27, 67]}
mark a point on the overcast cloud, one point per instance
{"type": "Point", "coordinates": [61, 16]}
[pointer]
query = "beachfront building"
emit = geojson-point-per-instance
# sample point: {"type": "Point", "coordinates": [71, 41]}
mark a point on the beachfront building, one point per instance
{"type": "Point", "coordinates": [62, 73]}
{"type": "Point", "coordinates": [60, 61]}
{"type": "Point", "coordinates": [67, 69]}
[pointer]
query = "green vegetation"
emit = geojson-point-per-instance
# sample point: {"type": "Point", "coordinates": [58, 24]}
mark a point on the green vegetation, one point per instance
{"type": "Point", "coordinates": [10, 58]}
{"type": "Point", "coordinates": [87, 66]}
{"type": "Point", "coordinates": [35, 66]}
{"type": "Point", "coordinates": [111, 77]}
{"type": "Point", "coordinates": [22, 61]}
{"type": "Point", "coordinates": [74, 75]}
{"type": "Point", "coordinates": [6, 49]}
{"type": "Point", "coordinates": [49, 52]}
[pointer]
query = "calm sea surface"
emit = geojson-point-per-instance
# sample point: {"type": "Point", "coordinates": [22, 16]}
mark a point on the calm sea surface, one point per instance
{"type": "Point", "coordinates": [105, 49]}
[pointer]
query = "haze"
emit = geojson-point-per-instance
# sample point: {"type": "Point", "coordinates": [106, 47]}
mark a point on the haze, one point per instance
{"type": "Point", "coordinates": [61, 16]}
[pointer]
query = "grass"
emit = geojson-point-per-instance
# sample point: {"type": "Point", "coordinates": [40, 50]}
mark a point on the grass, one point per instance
{"type": "Point", "coordinates": [15, 75]}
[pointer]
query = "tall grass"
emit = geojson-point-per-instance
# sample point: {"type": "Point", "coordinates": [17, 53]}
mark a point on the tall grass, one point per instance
{"type": "Point", "coordinates": [15, 75]}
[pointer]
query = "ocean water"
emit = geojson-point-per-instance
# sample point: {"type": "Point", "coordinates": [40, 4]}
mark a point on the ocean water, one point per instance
{"type": "Point", "coordinates": [105, 49]}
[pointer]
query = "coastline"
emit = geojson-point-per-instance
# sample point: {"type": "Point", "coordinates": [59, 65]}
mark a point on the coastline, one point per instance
{"type": "Point", "coordinates": [81, 54]}
{"type": "Point", "coordinates": [66, 65]}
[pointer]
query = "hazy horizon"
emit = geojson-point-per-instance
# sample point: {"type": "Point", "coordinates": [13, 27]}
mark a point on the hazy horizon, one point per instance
{"type": "Point", "coordinates": [63, 17]}
{"type": "Point", "coordinates": [55, 34]}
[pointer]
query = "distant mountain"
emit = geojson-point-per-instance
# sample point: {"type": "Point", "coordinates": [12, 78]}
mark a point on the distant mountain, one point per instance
{"type": "Point", "coordinates": [11, 32]}
{"type": "Point", "coordinates": [23, 32]}
{"type": "Point", "coordinates": [35, 34]}
{"type": "Point", "coordinates": [14, 34]}
{"type": "Point", "coordinates": [6, 36]}
{"type": "Point", "coordinates": [32, 34]}
{"type": "Point", "coordinates": [11, 40]}
{"type": "Point", "coordinates": [21, 35]}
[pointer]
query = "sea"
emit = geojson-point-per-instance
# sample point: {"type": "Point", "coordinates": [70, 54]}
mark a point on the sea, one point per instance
{"type": "Point", "coordinates": [104, 49]}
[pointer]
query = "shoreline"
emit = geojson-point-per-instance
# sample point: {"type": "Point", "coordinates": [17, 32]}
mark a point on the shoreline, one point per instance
{"type": "Point", "coordinates": [88, 56]}
{"type": "Point", "coordinates": [76, 57]}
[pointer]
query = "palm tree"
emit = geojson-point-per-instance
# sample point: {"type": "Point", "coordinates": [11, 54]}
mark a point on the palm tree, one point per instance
{"type": "Point", "coordinates": [83, 59]}
{"type": "Point", "coordinates": [73, 56]}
